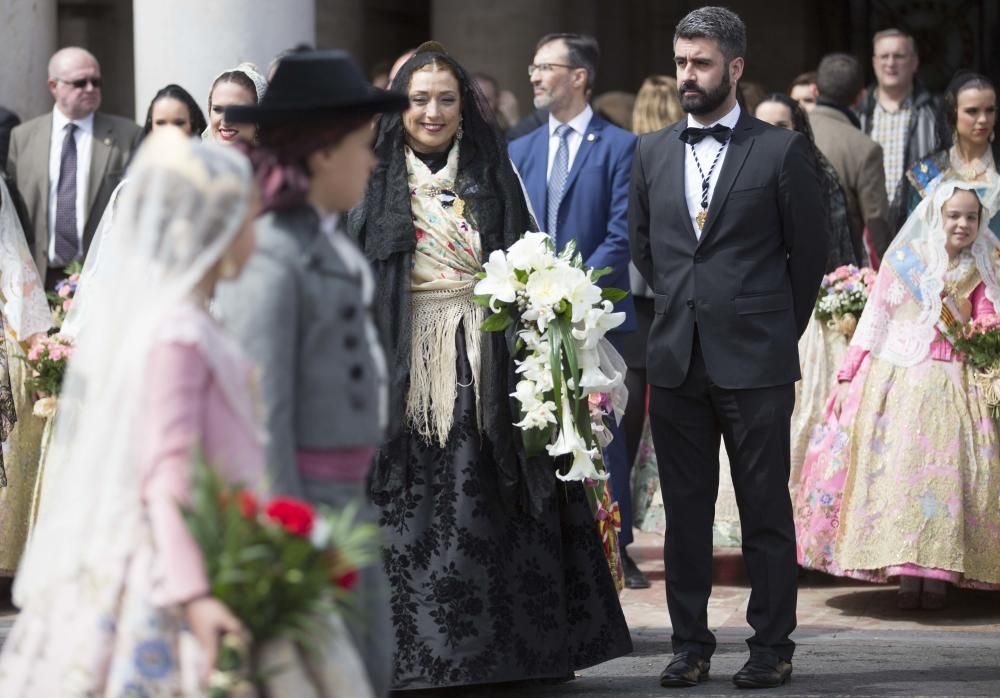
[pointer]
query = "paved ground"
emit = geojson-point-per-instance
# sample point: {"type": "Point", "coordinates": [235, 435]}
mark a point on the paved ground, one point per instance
{"type": "Point", "coordinates": [851, 641]}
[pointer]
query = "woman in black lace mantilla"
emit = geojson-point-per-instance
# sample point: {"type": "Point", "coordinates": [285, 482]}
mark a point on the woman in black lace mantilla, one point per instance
{"type": "Point", "coordinates": [497, 571]}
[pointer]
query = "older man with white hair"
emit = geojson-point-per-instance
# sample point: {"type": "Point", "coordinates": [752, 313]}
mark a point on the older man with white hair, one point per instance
{"type": "Point", "coordinates": [66, 164]}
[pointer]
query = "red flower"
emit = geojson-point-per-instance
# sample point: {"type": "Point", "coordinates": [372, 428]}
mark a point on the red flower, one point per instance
{"type": "Point", "coordinates": [295, 516]}
{"type": "Point", "coordinates": [420, 234]}
{"type": "Point", "coordinates": [348, 580]}
{"type": "Point", "coordinates": [248, 503]}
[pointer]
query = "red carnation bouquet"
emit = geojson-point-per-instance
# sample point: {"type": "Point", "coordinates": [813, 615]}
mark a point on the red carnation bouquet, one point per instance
{"type": "Point", "coordinates": [280, 566]}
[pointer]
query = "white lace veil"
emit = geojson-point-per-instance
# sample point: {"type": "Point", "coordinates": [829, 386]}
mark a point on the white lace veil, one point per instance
{"type": "Point", "coordinates": [253, 73]}
{"type": "Point", "coordinates": [184, 205]}
{"type": "Point", "coordinates": [900, 318]}
{"type": "Point", "coordinates": [76, 317]}
{"type": "Point", "coordinates": [25, 308]}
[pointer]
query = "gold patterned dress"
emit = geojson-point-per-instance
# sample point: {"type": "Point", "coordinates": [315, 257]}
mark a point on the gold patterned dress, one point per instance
{"type": "Point", "coordinates": [25, 313]}
{"type": "Point", "coordinates": [920, 466]}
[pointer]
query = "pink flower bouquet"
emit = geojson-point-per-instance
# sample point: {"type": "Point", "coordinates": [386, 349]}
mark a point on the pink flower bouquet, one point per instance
{"type": "Point", "coordinates": [47, 361]}
{"type": "Point", "coordinates": [61, 300]}
{"type": "Point", "coordinates": [979, 342]}
{"type": "Point", "coordinates": [842, 296]}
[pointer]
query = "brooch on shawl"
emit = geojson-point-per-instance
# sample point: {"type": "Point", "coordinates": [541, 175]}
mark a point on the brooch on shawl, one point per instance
{"type": "Point", "coordinates": [447, 198]}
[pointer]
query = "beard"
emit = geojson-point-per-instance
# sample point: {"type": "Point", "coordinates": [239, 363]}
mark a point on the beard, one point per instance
{"type": "Point", "coordinates": [705, 101]}
{"type": "Point", "coordinates": [543, 101]}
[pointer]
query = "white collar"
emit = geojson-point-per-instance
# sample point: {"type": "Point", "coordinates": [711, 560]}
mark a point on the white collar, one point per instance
{"type": "Point", "coordinates": [578, 123]}
{"type": "Point", "coordinates": [729, 119]}
{"type": "Point", "coordinates": [327, 221]}
{"type": "Point", "coordinates": [59, 121]}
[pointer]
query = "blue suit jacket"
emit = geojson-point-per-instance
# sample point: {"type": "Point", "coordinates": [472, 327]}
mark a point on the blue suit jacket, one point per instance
{"type": "Point", "coordinates": [594, 207]}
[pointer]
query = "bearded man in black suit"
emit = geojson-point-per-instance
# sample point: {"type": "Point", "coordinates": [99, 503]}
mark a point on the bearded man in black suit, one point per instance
{"type": "Point", "coordinates": [728, 225]}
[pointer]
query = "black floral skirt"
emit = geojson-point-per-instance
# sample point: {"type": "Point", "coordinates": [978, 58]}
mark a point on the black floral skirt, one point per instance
{"type": "Point", "coordinates": [483, 596]}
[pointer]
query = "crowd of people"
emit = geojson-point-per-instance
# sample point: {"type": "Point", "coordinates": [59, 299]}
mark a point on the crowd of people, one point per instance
{"type": "Point", "coordinates": [285, 289]}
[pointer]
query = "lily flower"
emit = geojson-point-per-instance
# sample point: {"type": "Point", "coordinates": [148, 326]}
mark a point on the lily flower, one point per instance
{"type": "Point", "coordinates": [532, 252]}
{"type": "Point", "coordinates": [500, 283]}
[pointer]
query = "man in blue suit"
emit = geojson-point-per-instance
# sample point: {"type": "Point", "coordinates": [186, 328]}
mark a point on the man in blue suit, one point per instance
{"type": "Point", "coordinates": [576, 170]}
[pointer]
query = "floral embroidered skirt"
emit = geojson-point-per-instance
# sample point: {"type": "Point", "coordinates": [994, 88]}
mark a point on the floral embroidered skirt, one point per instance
{"type": "Point", "coordinates": [821, 351]}
{"type": "Point", "coordinates": [920, 474]}
{"type": "Point", "coordinates": [481, 596]}
{"type": "Point", "coordinates": [100, 635]}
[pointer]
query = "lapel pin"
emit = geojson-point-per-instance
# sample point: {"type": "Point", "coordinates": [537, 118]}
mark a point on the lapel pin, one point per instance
{"type": "Point", "coordinates": [591, 137]}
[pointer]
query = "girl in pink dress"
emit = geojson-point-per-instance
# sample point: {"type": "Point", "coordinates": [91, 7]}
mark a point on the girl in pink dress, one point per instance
{"type": "Point", "coordinates": [112, 589]}
{"type": "Point", "coordinates": [903, 480]}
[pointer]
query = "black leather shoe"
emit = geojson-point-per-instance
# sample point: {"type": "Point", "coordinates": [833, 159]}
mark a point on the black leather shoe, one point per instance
{"type": "Point", "coordinates": [634, 578]}
{"type": "Point", "coordinates": [763, 672]}
{"type": "Point", "coordinates": [685, 669]}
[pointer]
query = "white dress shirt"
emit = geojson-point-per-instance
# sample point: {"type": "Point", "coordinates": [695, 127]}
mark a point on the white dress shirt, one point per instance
{"type": "Point", "coordinates": [706, 150]}
{"type": "Point", "coordinates": [84, 136]}
{"type": "Point", "coordinates": [578, 126]}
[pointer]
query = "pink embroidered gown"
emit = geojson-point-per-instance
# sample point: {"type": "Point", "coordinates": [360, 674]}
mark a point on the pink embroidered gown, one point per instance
{"type": "Point", "coordinates": [117, 631]}
{"type": "Point", "coordinates": [907, 481]}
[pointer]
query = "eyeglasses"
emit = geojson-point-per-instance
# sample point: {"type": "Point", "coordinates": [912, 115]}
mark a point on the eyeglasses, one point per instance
{"type": "Point", "coordinates": [547, 67]}
{"type": "Point", "coordinates": [887, 57]}
{"type": "Point", "coordinates": [82, 83]}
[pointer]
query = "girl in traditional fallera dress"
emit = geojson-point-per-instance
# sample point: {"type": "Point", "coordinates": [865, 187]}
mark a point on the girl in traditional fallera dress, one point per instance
{"type": "Point", "coordinates": [25, 317]}
{"type": "Point", "coordinates": [111, 576]}
{"type": "Point", "coordinates": [497, 570]}
{"type": "Point", "coordinates": [904, 478]}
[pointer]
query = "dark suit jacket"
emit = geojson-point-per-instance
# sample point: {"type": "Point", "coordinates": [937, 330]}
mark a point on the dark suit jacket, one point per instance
{"type": "Point", "coordinates": [115, 139]}
{"type": "Point", "coordinates": [593, 210]}
{"type": "Point", "coordinates": [8, 120]}
{"type": "Point", "coordinates": [749, 284]}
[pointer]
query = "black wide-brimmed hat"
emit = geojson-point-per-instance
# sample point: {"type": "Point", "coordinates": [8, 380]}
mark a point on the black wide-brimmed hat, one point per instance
{"type": "Point", "coordinates": [317, 86]}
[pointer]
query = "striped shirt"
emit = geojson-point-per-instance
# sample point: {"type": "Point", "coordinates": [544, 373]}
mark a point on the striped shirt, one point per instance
{"type": "Point", "coordinates": [891, 130]}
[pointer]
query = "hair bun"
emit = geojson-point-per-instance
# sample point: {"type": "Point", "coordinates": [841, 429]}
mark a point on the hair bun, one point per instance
{"type": "Point", "coordinates": [432, 47]}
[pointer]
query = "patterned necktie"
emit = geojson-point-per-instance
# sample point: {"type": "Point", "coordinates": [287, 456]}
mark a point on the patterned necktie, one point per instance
{"type": "Point", "coordinates": [67, 238]}
{"type": "Point", "coordinates": [557, 179]}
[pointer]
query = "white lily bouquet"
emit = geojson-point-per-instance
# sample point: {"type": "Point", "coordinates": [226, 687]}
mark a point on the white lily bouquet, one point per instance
{"type": "Point", "coordinates": [571, 378]}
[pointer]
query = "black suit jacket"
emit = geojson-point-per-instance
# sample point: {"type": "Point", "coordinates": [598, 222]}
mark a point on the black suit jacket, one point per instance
{"type": "Point", "coordinates": [749, 283]}
{"type": "Point", "coordinates": [8, 120]}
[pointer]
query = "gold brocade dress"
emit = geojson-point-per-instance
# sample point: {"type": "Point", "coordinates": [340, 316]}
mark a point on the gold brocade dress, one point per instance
{"type": "Point", "coordinates": [922, 492]}
{"type": "Point", "coordinates": [21, 456]}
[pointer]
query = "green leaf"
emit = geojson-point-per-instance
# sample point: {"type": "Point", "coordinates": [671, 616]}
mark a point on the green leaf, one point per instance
{"type": "Point", "coordinates": [613, 294]}
{"type": "Point", "coordinates": [596, 274]}
{"type": "Point", "coordinates": [498, 322]}
{"type": "Point", "coordinates": [482, 300]}
{"type": "Point", "coordinates": [569, 351]}
{"type": "Point", "coordinates": [555, 359]}
{"type": "Point", "coordinates": [535, 441]}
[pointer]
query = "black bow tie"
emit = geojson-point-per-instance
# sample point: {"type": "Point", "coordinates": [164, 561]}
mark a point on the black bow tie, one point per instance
{"type": "Point", "coordinates": [695, 135]}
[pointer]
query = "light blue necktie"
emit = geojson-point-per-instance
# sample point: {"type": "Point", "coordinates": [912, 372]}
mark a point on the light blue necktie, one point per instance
{"type": "Point", "coordinates": [557, 179]}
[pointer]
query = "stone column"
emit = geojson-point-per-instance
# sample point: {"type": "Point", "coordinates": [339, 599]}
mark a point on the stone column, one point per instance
{"type": "Point", "coordinates": [189, 42]}
{"type": "Point", "coordinates": [340, 24]}
{"type": "Point", "coordinates": [28, 31]}
{"type": "Point", "coordinates": [497, 38]}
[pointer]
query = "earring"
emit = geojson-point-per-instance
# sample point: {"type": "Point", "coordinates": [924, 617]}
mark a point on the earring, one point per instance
{"type": "Point", "coordinates": [459, 132]}
{"type": "Point", "coordinates": [993, 136]}
{"type": "Point", "coordinates": [228, 268]}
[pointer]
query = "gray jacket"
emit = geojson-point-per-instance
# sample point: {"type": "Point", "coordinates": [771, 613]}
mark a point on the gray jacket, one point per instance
{"type": "Point", "coordinates": [299, 313]}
